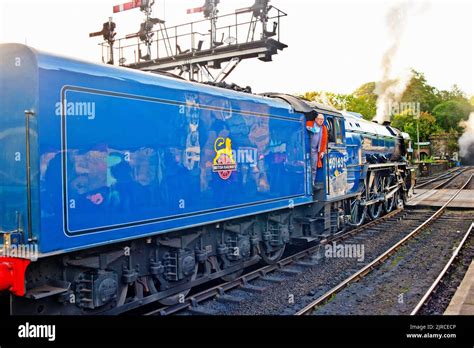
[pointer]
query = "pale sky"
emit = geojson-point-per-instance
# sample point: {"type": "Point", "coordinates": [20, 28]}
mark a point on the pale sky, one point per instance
{"type": "Point", "coordinates": [334, 45]}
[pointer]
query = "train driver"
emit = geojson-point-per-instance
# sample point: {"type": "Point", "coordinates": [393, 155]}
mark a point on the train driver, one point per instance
{"type": "Point", "coordinates": [319, 140]}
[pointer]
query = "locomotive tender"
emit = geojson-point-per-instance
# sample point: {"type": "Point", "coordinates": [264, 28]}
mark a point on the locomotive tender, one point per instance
{"type": "Point", "coordinates": [120, 187]}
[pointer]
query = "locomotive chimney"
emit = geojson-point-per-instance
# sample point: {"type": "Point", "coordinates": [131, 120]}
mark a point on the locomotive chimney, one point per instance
{"type": "Point", "coordinates": [385, 122]}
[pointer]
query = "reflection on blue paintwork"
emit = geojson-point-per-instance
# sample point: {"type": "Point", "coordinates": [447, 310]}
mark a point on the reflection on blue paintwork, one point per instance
{"type": "Point", "coordinates": [118, 154]}
{"type": "Point", "coordinates": [155, 159]}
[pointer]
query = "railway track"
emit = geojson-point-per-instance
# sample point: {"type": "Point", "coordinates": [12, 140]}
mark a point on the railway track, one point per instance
{"type": "Point", "coordinates": [458, 182]}
{"type": "Point", "coordinates": [434, 184]}
{"type": "Point", "coordinates": [322, 300]}
{"type": "Point", "coordinates": [441, 296]}
{"type": "Point", "coordinates": [305, 258]}
{"type": "Point", "coordinates": [266, 290]}
{"type": "Point", "coordinates": [251, 293]}
{"type": "Point", "coordinates": [423, 181]}
{"type": "Point", "coordinates": [429, 293]}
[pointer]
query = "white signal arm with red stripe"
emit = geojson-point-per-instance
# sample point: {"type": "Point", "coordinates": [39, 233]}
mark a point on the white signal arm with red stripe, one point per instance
{"type": "Point", "coordinates": [127, 6]}
{"type": "Point", "coordinates": [195, 10]}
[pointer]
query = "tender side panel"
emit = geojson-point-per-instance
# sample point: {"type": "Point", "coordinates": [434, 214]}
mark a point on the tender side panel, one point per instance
{"type": "Point", "coordinates": [130, 160]}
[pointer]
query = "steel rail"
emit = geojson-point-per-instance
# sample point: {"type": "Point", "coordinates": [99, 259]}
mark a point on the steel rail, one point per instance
{"type": "Point", "coordinates": [444, 182]}
{"type": "Point", "coordinates": [442, 274]}
{"type": "Point", "coordinates": [379, 260]}
{"type": "Point", "coordinates": [436, 178]}
{"type": "Point", "coordinates": [220, 289]}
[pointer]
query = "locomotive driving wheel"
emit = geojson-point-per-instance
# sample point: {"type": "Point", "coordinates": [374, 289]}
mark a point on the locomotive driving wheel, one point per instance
{"type": "Point", "coordinates": [375, 209]}
{"type": "Point", "coordinates": [358, 210]}
{"type": "Point", "coordinates": [390, 203]}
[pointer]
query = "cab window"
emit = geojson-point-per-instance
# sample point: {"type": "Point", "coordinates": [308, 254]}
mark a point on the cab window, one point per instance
{"type": "Point", "coordinates": [330, 127]}
{"type": "Point", "coordinates": [338, 130]}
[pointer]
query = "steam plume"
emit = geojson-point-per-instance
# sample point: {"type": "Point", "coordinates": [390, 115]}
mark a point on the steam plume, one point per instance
{"type": "Point", "coordinates": [466, 141]}
{"type": "Point", "coordinates": [390, 88]}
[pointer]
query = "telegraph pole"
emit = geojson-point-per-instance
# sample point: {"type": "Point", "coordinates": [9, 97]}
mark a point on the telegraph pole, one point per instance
{"type": "Point", "coordinates": [418, 136]}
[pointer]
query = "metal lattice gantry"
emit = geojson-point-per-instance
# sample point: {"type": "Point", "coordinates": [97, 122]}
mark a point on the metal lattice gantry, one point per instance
{"type": "Point", "coordinates": [204, 50]}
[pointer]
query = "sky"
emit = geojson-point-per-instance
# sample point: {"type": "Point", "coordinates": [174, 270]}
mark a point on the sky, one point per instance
{"type": "Point", "coordinates": [333, 45]}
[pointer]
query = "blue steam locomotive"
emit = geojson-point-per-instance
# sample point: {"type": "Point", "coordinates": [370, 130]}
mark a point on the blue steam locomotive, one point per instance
{"type": "Point", "coordinates": [120, 187]}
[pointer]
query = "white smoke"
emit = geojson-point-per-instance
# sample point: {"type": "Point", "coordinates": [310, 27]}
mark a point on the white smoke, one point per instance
{"type": "Point", "coordinates": [390, 91]}
{"type": "Point", "coordinates": [390, 88]}
{"type": "Point", "coordinates": [466, 141]}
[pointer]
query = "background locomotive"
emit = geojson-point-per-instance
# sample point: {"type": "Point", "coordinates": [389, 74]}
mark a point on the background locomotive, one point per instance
{"type": "Point", "coordinates": [134, 187]}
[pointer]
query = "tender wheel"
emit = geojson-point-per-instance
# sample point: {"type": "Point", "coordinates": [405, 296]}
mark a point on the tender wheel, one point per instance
{"type": "Point", "coordinates": [152, 286]}
{"type": "Point", "coordinates": [270, 257]}
{"type": "Point", "coordinates": [231, 276]}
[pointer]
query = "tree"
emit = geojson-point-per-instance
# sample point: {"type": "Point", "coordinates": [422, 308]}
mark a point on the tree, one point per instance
{"type": "Point", "coordinates": [367, 89]}
{"type": "Point", "coordinates": [419, 91]}
{"type": "Point", "coordinates": [406, 122]}
{"type": "Point", "coordinates": [450, 113]}
{"type": "Point", "coordinates": [365, 100]}
{"type": "Point", "coordinates": [363, 104]}
{"type": "Point", "coordinates": [441, 111]}
{"type": "Point", "coordinates": [454, 94]}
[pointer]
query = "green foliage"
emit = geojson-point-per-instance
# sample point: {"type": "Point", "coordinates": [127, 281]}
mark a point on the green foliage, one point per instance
{"type": "Point", "coordinates": [441, 111]}
{"type": "Point", "coordinates": [429, 160]}
{"type": "Point", "coordinates": [419, 91]}
{"type": "Point", "coordinates": [367, 89]}
{"type": "Point", "coordinates": [363, 104]}
{"type": "Point", "coordinates": [364, 101]}
{"type": "Point", "coordinates": [326, 98]}
{"type": "Point", "coordinates": [454, 94]}
{"type": "Point", "coordinates": [450, 113]}
{"type": "Point", "coordinates": [408, 123]}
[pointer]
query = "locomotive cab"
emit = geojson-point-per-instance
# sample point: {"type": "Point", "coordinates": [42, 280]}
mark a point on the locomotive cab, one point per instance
{"type": "Point", "coordinates": [332, 177]}
{"type": "Point", "coordinates": [336, 162]}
